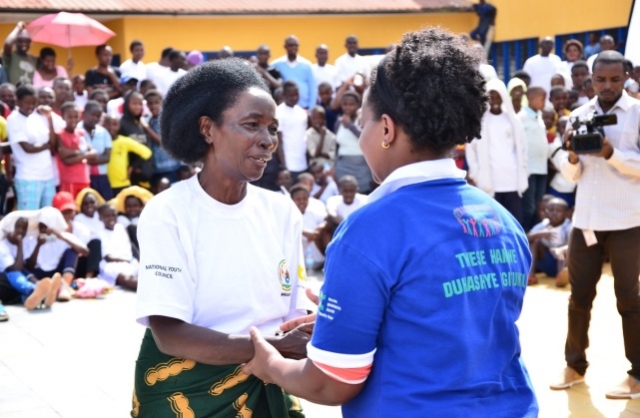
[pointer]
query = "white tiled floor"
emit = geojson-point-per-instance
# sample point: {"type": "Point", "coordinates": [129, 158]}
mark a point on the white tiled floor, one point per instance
{"type": "Point", "coordinates": [77, 360]}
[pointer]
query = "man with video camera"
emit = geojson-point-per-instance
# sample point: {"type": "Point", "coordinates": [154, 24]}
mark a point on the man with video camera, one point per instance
{"type": "Point", "coordinates": [605, 163]}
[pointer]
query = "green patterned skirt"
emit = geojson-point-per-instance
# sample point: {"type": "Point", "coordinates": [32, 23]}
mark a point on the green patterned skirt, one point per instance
{"type": "Point", "coordinates": [169, 387]}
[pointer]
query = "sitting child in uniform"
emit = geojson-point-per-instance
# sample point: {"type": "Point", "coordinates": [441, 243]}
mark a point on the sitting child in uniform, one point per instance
{"type": "Point", "coordinates": [118, 266]}
{"type": "Point", "coordinates": [87, 203]}
{"type": "Point", "coordinates": [547, 240]}
{"type": "Point", "coordinates": [129, 204]}
{"type": "Point", "coordinates": [313, 219]}
{"type": "Point", "coordinates": [16, 250]}
{"type": "Point", "coordinates": [341, 206]}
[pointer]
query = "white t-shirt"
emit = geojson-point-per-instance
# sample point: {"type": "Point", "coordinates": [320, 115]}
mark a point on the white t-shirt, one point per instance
{"type": "Point", "coordinates": [51, 251]}
{"type": "Point", "coordinates": [337, 207]}
{"type": "Point", "coordinates": [33, 167]}
{"type": "Point", "coordinates": [293, 123]}
{"type": "Point", "coordinates": [8, 251]}
{"type": "Point", "coordinates": [137, 70]}
{"type": "Point", "coordinates": [348, 66]}
{"type": "Point", "coordinates": [330, 190]}
{"type": "Point", "coordinates": [94, 225]}
{"type": "Point", "coordinates": [153, 69]}
{"type": "Point", "coordinates": [313, 217]}
{"type": "Point", "coordinates": [82, 100]}
{"type": "Point", "coordinates": [542, 69]}
{"type": "Point", "coordinates": [328, 73]}
{"type": "Point", "coordinates": [124, 221]}
{"type": "Point", "coordinates": [223, 267]}
{"type": "Point", "coordinates": [504, 161]}
{"type": "Point", "coordinates": [165, 79]}
{"type": "Point", "coordinates": [116, 243]}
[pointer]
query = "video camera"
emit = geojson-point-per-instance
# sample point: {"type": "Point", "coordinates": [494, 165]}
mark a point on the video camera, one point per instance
{"type": "Point", "coordinates": [588, 135]}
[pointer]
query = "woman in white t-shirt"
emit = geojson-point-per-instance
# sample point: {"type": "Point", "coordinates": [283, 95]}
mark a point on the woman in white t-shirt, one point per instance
{"type": "Point", "coordinates": [218, 255]}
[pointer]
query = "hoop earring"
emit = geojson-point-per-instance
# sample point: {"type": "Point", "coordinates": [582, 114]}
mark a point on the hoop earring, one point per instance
{"type": "Point", "coordinates": [385, 145]}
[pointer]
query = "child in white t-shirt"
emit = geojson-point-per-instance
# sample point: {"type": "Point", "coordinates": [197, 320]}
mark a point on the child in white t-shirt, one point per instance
{"type": "Point", "coordinates": [292, 131]}
{"type": "Point", "coordinates": [341, 206]}
{"type": "Point", "coordinates": [118, 265]}
{"type": "Point", "coordinates": [313, 221]}
{"type": "Point", "coordinates": [547, 240]}
{"type": "Point", "coordinates": [16, 250]}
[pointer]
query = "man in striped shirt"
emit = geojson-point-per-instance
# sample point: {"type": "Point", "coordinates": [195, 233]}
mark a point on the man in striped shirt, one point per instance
{"type": "Point", "coordinates": [606, 222]}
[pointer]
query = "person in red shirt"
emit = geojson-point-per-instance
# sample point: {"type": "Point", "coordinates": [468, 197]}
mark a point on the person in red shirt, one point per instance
{"type": "Point", "coordinates": [74, 152]}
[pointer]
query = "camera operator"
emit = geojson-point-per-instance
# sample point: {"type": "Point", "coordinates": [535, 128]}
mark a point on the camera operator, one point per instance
{"type": "Point", "coordinates": [606, 222]}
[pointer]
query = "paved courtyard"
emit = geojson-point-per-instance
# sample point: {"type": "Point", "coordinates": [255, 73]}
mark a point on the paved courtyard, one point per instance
{"type": "Point", "coordinates": [78, 359]}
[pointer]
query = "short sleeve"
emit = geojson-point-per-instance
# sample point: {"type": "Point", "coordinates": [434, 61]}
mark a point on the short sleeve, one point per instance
{"type": "Point", "coordinates": [16, 132]}
{"type": "Point", "coordinates": [353, 300]}
{"type": "Point", "coordinates": [165, 285]}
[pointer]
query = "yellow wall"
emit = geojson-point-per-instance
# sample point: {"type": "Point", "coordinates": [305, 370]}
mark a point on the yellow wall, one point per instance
{"type": "Point", "coordinates": [247, 33]}
{"type": "Point", "coordinates": [518, 19]}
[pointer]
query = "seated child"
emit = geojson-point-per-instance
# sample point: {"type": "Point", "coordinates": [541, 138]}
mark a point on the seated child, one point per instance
{"type": "Point", "coordinates": [57, 250]}
{"type": "Point", "coordinates": [74, 153]}
{"type": "Point", "coordinates": [313, 220]}
{"type": "Point", "coordinates": [118, 267]}
{"type": "Point", "coordinates": [129, 204]}
{"type": "Point", "coordinates": [321, 142]}
{"type": "Point", "coordinates": [119, 170]}
{"type": "Point", "coordinates": [16, 250]}
{"type": "Point", "coordinates": [547, 236]}
{"type": "Point", "coordinates": [284, 181]}
{"type": "Point", "coordinates": [341, 206]}
{"type": "Point", "coordinates": [323, 186]}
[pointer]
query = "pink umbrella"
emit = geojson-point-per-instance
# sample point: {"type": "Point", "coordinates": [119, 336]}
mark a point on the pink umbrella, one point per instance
{"type": "Point", "coordinates": [69, 30]}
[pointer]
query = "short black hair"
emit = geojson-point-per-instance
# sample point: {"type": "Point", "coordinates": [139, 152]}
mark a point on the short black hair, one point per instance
{"type": "Point", "coordinates": [579, 64]}
{"type": "Point", "coordinates": [24, 91]}
{"type": "Point", "coordinates": [60, 80]}
{"type": "Point", "coordinates": [299, 188]}
{"type": "Point", "coordinates": [134, 44]}
{"type": "Point", "coordinates": [207, 90]}
{"type": "Point", "coordinates": [430, 85]}
{"type": "Point", "coordinates": [289, 84]}
{"type": "Point", "coordinates": [47, 52]}
{"type": "Point", "coordinates": [105, 206]}
{"type": "Point", "coordinates": [144, 83]}
{"type": "Point", "coordinates": [101, 48]}
{"type": "Point", "coordinates": [152, 93]}
{"type": "Point", "coordinates": [629, 64]}
{"type": "Point", "coordinates": [90, 105]}
{"type": "Point", "coordinates": [556, 90]}
{"type": "Point", "coordinates": [318, 109]}
{"type": "Point", "coordinates": [165, 52]}
{"type": "Point", "coordinates": [9, 86]}
{"type": "Point", "coordinates": [66, 106]}
{"type": "Point", "coordinates": [522, 75]}
{"type": "Point", "coordinates": [325, 84]}
{"type": "Point", "coordinates": [354, 95]}
{"type": "Point", "coordinates": [98, 92]}
{"type": "Point", "coordinates": [174, 54]}
{"type": "Point", "coordinates": [610, 57]}
{"type": "Point", "coordinates": [347, 179]}
{"type": "Point", "coordinates": [534, 91]}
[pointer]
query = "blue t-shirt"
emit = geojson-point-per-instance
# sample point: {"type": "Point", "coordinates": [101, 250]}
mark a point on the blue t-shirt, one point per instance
{"type": "Point", "coordinates": [100, 141]}
{"type": "Point", "coordinates": [428, 282]}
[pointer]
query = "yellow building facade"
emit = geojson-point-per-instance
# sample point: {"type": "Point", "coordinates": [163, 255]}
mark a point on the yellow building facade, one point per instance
{"type": "Point", "coordinates": [517, 19]}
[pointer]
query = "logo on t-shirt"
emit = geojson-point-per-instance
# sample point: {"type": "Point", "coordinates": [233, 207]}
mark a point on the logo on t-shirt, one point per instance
{"type": "Point", "coordinates": [478, 220]}
{"type": "Point", "coordinates": [284, 276]}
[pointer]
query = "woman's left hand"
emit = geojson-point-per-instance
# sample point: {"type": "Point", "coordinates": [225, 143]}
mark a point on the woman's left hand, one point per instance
{"type": "Point", "coordinates": [264, 356]}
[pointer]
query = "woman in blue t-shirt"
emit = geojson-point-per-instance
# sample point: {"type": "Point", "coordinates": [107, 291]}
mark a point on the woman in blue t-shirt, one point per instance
{"type": "Point", "coordinates": [424, 284]}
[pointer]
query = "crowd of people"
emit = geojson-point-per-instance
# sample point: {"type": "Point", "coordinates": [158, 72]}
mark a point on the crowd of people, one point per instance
{"type": "Point", "coordinates": [84, 154]}
{"type": "Point", "coordinates": [89, 145]}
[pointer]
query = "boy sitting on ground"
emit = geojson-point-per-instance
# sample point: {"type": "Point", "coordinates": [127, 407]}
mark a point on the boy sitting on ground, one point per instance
{"type": "Point", "coordinates": [118, 267]}
{"type": "Point", "coordinates": [544, 240]}
{"type": "Point", "coordinates": [15, 250]}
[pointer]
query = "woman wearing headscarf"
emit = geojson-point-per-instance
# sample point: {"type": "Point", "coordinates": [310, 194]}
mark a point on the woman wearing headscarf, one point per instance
{"type": "Point", "coordinates": [498, 159]}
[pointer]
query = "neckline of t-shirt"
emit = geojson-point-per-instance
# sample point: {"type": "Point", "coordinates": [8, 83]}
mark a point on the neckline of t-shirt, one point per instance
{"type": "Point", "coordinates": [220, 209]}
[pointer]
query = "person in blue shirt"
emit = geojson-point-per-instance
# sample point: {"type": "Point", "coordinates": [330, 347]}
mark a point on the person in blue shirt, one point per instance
{"type": "Point", "coordinates": [298, 69]}
{"type": "Point", "coordinates": [424, 284]}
